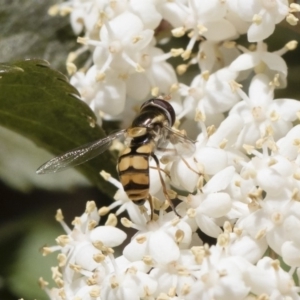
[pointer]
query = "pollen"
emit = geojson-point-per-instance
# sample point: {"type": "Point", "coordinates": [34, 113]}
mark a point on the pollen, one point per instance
{"type": "Point", "coordinates": [205, 75]}
{"type": "Point", "coordinates": [95, 292]}
{"type": "Point", "coordinates": [277, 218]}
{"type": "Point", "coordinates": [126, 223]}
{"type": "Point", "coordinates": [75, 267]}
{"type": "Point", "coordinates": [90, 207]}
{"type": "Point", "coordinates": [186, 289]}
{"type": "Point", "coordinates": [176, 52]}
{"type": "Point", "coordinates": [223, 240]}
{"type": "Point", "coordinates": [62, 240]}
{"type": "Point", "coordinates": [59, 215]}
{"type": "Point", "coordinates": [178, 32]}
{"type": "Point", "coordinates": [181, 69]}
{"type": "Point", "coordinates": [141, 239]}
{"type": "Point", "coordinates": [179, 235]}
{"type": "Point", "coordinates": [98, 257]}
{"type": "Point", "coordinates": [76, 221]}
{"type": "Point", "coordinates": [155, 91]}
{"type": "Point", "coordinates": [62, 259]}
{"type": "Point", "coordinates": [46, 251]}
{"type": "Point", "coordinates": [201, 29]}
{"type": "Point", "coordinates": [172, 291]}
{"type": "Point", "coordinates": [71, 68]}
{"type": "Point", "coordinates": [113, 282]}
{"type": "Point", "coordinates": [292, 45]}
{"type": "Point", "coordinates": [191, 213]}
{"type": "Point", "coordinates": [186, 54]}
{"type": "Point", "coordinates": [294, 7]}
{"type": "Point", "coordinates": [92, 224]}
{"type": "Point", "coordinates": [260, 234]}
{"type": "Point", "coordinates": [257, 19]}
{"type": "Point", "coordinates": [163, 296]}
{"type": "Point", "coordinates": [83, 40]}
{"type": "Point", "coordinates": [147, 259]}
{"type": "Point", "coordinates": [43, 283]}
{"type": "Point", "coordinates": [276, 264]}
{"type": "Point", "coordinates": [111, 220]}
{"type": "Point", "coordinates": [292, 20]}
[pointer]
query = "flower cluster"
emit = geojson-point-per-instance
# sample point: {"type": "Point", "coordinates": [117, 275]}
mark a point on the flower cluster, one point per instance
{"type": "Point", "coordinates": [241, 185]}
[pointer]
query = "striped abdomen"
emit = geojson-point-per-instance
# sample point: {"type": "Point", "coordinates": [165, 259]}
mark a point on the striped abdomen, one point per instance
{"type": "Point", "coordinates": [133, 168]}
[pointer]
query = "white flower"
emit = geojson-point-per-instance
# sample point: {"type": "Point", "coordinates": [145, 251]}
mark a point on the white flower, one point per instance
{"type": "Point", "coordinates": [129, 283]}
{"type": "Point", "coordinates": [261, 114]}
{"type": "Point", "coordinates": [211, 203]}
{"type": "Point", "coordinates": [220, 276]}
{"type": "Point", "coordinates": [290, 249]}
{"type": "Point", "coordinates": [96, 92]}
{"type": "Point", "coordinates": [158, 76]}
{"type": "Point", "coordinates": [264, 15]}
{"type": "Point", "coordinates": [262, 61]}
{"type": "Point", "coordinates": [288, 146]}
{"type": "Point", "coordinates": [176, 275]}
{"type": "Point", "coordinates": [204, 19]}
{"type": "Point", "coordinates": [172, 233]}
{"type": "Point", "coordinates": [210, 95]}
{"type": "Point", "coordinates": [270, 279]}
{"type": "Point", "coordinates": [212, 56]}
{"type": "Point", "coordinates": [268, 220]}
{"type": "Point", "coordinates": [206, 161]}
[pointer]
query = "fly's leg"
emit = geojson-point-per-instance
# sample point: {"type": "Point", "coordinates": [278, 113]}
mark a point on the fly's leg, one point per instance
{"type": "Point", "coordinates": [189, 167]}
{"type": "Point", "coordinates": [185, 162]}
{"type": "Point", "coordinates": [151, 206]}
{"type": "Point", "coordinates": [164, 185]}
{"type": "Point", "coordinates": [159, 169]}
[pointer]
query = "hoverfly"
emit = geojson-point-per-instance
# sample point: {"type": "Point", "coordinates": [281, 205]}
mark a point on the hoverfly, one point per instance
{"type": "Point", "coordinates": [150, 131]}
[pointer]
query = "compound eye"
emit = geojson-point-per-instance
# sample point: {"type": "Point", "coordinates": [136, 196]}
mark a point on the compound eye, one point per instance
{"type": "Point", "coordinates": [163, 105]}
{"type": "Point", "coordinates": [139, 202]}
{"type": "Point", "coordinates": [146, 103]}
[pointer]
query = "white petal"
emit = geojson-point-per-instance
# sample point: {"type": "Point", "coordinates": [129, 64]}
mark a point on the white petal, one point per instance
{"type": "Point", "coordinates": [138, 86]}
{"type": "Point", "coordinates": [219, 181]}
{"type": "Point", "coordinates": [287, 145]}
{"type": "Point", "coordinates": [291, 254]}
{"type": "Point", "coordinates": [228, 129]}
{"type": "Point", "coordinates": [219, 30]}
{"type": "Point", "coordinates": [274, 62]}
{"type": "Point", "coordinates": [110, 236]}
{"type": "Point", "coordinates": [292, 228]}
{"type": "Point", "coordinates": [207, 225]}
{"type": "Point", "coordinates": [213, 160]}
{"type": "Point", "coordinates": [180, 173]}
{"type": "Point", "coordinates": [216, 205]}
{"type": "Point", "coordinates": [259, 32]}
{"type": "Point", "coordinates": [124, 27]}
{"type": "Point", "coordinates": [135, 251]}
{"type": "Point", "coordinates": [259, 90]}
{"type": "Point", "coordinates": [147, 12]}
{"type": "Point", "coordinates": [249, 248]}
{"type": "Point", "coordinates": [162, 248]}
{"type": "Point", "coordinates": [287, 108]}
{"type": "Point", "coordinates": [270, 181]}
{"type": "Point", "coordinates": [84, 257]}
{"type": "Point", "coordinates": [245, 61]}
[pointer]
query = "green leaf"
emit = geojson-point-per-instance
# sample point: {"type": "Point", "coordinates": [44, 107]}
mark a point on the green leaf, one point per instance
{"type": "Point", "coordinates": [39, 103]}
{"type": "Point", "coordinates": [22, 263]}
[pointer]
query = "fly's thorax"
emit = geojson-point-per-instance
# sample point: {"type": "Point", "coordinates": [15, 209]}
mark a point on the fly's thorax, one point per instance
{"type": "Point", "coordinates": [151, 117]}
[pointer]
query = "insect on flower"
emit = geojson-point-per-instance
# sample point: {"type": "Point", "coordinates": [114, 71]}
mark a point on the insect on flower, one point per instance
{"type": "Point", "coordinates": [150, 132]}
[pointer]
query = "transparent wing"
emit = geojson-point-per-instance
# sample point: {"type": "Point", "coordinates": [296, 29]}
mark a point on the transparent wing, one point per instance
{"type": "Point", "coordinates": [78, 155]}
{"type": "Point", "coordinates": [183, 145]}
